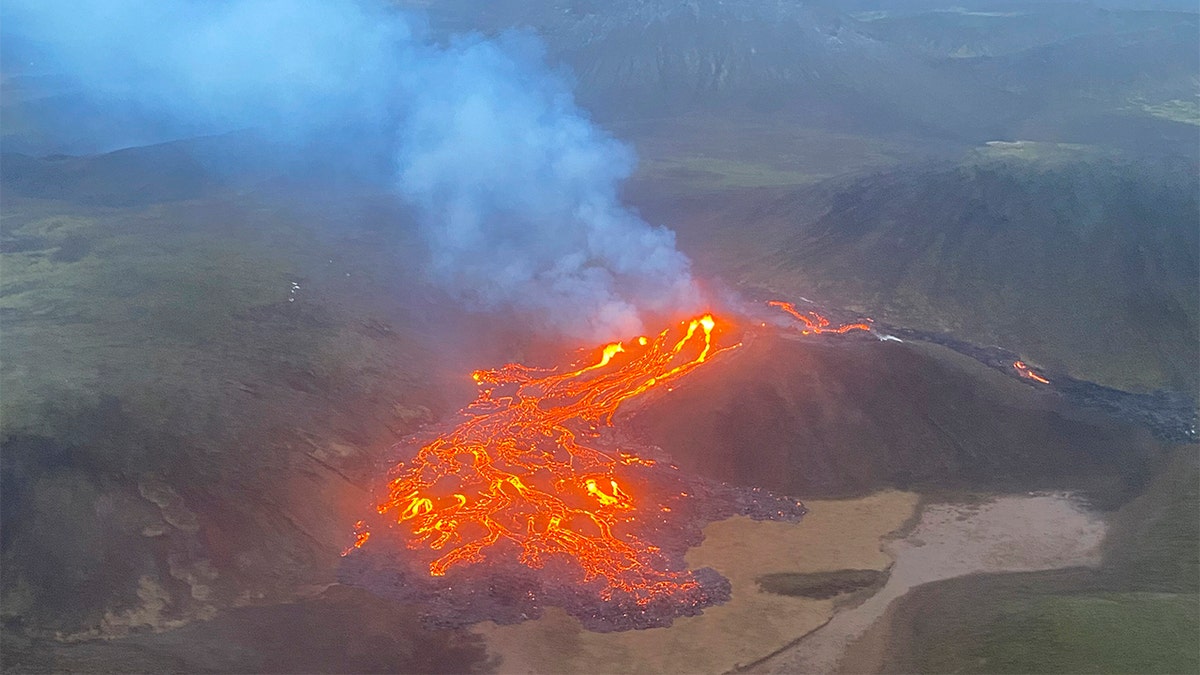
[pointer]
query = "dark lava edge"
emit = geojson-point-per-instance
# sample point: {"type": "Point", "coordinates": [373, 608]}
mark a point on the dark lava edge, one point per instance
{"type": "Point", "coordinates": [506, 591]}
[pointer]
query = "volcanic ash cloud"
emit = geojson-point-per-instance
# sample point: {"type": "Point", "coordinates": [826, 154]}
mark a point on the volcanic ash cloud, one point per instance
{"type": "Point", "coordinates": [516, 190]}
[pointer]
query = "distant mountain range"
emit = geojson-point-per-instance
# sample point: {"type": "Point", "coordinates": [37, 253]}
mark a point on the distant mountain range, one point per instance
{"type": "Point", "coordinates": [973, 70]}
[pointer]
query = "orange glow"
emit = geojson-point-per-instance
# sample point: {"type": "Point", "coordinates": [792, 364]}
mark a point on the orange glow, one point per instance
{"type": "Point", "coordinates": [815, 324]}
{"type": "Point", "coordinates": [522, 467]}
{"type": "Point", "coordinates": [1025, 371]}
{"type": "Point", "coordinates": [361, 535]}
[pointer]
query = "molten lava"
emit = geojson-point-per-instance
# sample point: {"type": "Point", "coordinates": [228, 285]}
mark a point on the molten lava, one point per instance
{"type": "Point", "coordinates": [523, 468]}
{"type": "Point", "coordinates": [1025, 371]}
{"type": "Point", "coordinates": [815, 324]}
{"type": "Point", "coordinates": [524, 476]}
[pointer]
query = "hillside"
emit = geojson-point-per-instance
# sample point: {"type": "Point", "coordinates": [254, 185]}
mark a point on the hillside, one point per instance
{"type": "Point", "coordinates": [1088, 265]}
{"type": "Point", "coordinates": [848, 417]}
{"type": "Point", "coordinates": [1053, 71]}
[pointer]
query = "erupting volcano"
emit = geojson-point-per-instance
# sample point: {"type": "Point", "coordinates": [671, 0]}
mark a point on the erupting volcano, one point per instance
{"type": "Point", "coordinates": [534, 476]}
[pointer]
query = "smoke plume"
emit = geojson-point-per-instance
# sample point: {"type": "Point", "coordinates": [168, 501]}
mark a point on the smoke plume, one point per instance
{"type": "Point", "coordinates": [516, 189]}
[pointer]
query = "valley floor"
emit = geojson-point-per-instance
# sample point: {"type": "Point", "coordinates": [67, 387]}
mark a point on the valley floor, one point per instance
{"type": "Point", "coordinates": [761, 631]}
{"type": "Point", "coordinates": [1007, 534]}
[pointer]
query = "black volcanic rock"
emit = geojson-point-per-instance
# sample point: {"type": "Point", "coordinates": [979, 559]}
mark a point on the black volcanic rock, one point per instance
{"type": "Point", "coordinates": [502, 589]}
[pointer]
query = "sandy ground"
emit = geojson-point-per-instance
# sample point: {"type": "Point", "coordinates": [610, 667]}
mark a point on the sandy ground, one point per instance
{"type": "Point", "coordinates": [835, 535]}
{"type": "Point", "coordinates": [1008, 534]}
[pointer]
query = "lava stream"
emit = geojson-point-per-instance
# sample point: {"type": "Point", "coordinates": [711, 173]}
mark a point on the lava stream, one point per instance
{"type": "Point", "coordinates": [815, 324]}
{"type": "Point", "coordinates": [1025, 371]}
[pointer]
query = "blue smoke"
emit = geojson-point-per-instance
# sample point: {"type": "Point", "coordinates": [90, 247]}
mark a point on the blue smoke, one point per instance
{"type": "Point", "coordinates": [515, 187]}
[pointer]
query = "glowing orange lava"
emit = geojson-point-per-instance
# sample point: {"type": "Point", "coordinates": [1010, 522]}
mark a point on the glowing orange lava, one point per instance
{"type": "Point", "coordinates": [815, 324]}
{"type": "Point", "coordinates": [520, 468]}
{"type": "Point", "coordinates": [1025, 371]}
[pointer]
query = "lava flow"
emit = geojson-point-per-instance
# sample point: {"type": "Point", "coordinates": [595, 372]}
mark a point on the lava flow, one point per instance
{"type": "Point", "coordinates": [815, 324]}
{"type": "Point", "coordinates": [1025, 371]}
{"type": "Point", "coordinates": [523, 469]}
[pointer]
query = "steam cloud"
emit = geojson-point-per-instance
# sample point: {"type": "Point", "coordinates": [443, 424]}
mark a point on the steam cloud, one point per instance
{"type": "Point", "coordinates": [516, 189]}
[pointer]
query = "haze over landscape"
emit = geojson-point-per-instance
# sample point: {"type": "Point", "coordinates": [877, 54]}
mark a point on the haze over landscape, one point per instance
{"type": "Point", "coordinates": [254, 256]}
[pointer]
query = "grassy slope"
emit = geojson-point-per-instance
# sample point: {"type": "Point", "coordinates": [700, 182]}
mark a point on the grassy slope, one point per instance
{"type": "Point", "coordinates": [1085, 266]}
{"type": "Point", "coordinates": [192, 436]}
{"type": "Point", "coordinates": [1154, 544]}
{"type": "Point", "coordinates": [1101, 633]}
{"type": "Point", "coordinates": [1139, 613]}
{"type": "Point", "coordinates": [700, 154]}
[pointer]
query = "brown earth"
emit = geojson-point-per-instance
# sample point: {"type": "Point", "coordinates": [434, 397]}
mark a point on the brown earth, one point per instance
{"type": "Point", "coordinates": [834, 535]}
{"type": "Point", "coordinates": [844, 416]}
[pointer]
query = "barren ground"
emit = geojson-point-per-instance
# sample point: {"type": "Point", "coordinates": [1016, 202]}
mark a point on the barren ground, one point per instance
{"type": "Point", "coordinates": [835, 535]}
{"type": "Point", "coordinates": [1008, 534]}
